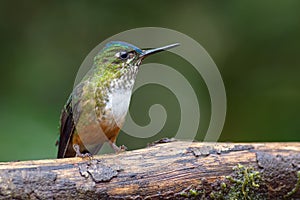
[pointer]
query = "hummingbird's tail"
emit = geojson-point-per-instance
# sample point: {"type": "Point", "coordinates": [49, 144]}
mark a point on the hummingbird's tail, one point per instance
{"type": "Point", "coordinates": [67, 129]}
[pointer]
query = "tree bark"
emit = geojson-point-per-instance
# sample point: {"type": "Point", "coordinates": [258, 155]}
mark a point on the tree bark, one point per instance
{"type": "Point", "coordinates": [167, 169]}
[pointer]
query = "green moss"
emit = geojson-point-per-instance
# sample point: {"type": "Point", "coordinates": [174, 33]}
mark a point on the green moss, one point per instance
{"type": "Point", "coordinates": [295, 189]}
{"type": "Point", "coordinates": [217, 195]}
{"type": "Point", "coordinates": [192, 193]}
{"type": "Point", "coordinates": [184, 194]}
{"type": "Point", "coordinates": [223, 186]}
{"type": "Point", "coordinates": [245, 183]}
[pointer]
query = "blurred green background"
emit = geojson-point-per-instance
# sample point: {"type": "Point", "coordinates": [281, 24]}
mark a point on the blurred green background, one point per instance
{"type": "Point", "coordinates": [255, 45]}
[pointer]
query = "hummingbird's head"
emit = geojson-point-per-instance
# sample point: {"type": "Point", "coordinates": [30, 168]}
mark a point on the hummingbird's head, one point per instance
{"type": "Point", "coordinates": [119, 55]}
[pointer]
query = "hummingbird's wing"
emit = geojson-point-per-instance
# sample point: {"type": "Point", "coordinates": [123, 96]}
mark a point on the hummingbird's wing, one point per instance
{"type": "Point", "coordinates": [67, 129]}
{"type": "Point", "coordinates": [79, 123]}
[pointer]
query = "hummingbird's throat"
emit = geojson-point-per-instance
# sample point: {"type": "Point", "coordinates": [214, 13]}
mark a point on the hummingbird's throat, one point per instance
{"type": "Point", "coordinates": [116, 100]}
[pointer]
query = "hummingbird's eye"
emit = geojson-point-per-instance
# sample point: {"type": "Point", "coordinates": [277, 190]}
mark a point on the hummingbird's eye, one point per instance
{"type": "Point", "coordinates": [123, 55]}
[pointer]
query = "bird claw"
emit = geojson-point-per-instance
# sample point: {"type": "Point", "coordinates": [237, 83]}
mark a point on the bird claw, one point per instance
{"type": "Point", "coordinates": [79, 154]}
{"type": "Point", "coordinates": [123, 148]}
{"type": "Point", "coordinates": [117, 149]}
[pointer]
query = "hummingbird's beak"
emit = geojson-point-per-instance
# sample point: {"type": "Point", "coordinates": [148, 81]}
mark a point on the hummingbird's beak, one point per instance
{"type": "Point", "coordinates": [156, 50]}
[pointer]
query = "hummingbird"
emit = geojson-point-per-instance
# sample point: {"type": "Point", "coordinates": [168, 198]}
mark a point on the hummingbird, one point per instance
{"type": "Point", "coordinates": [95, 111]}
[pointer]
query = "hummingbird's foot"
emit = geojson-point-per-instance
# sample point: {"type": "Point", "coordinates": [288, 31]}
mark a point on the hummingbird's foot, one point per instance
{"type": "Point", "coordinates": [79, 154]}
{"type": "Point", "coordinates": [117, 149]}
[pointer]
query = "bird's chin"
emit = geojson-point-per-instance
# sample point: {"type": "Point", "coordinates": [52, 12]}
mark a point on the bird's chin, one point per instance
{"type": "Point", "coordinates": [140, 61]}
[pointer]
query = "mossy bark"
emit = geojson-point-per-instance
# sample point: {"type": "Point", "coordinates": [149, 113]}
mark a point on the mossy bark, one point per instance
{"type": "Point", "coordinates": [176, 169]}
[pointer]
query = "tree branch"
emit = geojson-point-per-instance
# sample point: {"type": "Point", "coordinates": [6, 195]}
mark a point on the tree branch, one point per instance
{"type": "Point", "coordinates": [176, 169]}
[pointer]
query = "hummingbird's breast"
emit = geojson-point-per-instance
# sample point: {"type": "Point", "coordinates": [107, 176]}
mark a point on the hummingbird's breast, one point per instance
{"type": "Point", "coordinates": [117, 100]}
{"type": "Point", "coordinates": [117, 105]}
